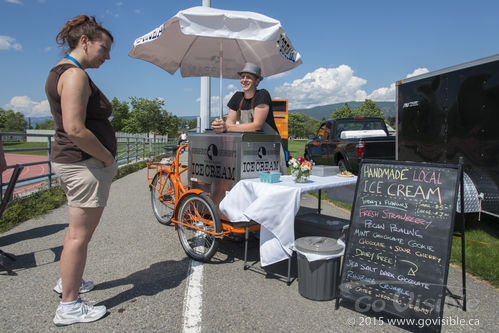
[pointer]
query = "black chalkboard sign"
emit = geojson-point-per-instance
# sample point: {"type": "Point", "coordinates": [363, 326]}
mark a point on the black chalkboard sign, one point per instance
{"type": "Point", "coordinates": [398, 247]}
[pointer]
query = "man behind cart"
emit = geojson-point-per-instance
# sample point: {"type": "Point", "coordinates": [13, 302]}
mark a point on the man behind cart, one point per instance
{"type": "Point", "coordinates": [250, 110]}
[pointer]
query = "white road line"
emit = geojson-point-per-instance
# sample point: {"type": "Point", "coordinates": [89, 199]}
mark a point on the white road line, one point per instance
{"type": "Point", "coordinates": [193, 298]}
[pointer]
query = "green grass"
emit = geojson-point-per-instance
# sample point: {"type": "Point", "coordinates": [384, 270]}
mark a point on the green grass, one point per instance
{"type": "Point", "coordinates": [296, 147]}
{"type": "Point", "coordinates": [481, 248]}
{"type": "Point", "coordinates": [38, 204]}
{"type": "Point", "coordinates": [130, 168]}
{"type": "Point", "coordinates": [21, 145]}
{"type": "Point", "coordinates": [481, 238]}
{"type": "Point", "coordinates": [41, 145]}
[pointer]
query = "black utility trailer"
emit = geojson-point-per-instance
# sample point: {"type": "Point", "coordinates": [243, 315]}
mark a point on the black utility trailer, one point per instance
{"type": "Point", "coordinates": [454, 112]}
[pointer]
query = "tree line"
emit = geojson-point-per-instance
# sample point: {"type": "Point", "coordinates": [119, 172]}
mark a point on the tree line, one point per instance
{"type": "Point", "coordinates": [301, 125]}
{"type": "Point", "coordinates": [142, 115]}
{"type": "Point", "coordinates": [139, 115]}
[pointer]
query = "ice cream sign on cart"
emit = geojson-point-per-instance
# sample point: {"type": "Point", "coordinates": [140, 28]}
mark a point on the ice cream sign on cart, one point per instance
{"type": "Point", "coordinates": [259, 156]}
{"type": "Point", "coordinates": [232, 157]}
{"type": "Point", "coordinates": [216, 161]}
{"type": "Point", "coordinates": [212, 161]}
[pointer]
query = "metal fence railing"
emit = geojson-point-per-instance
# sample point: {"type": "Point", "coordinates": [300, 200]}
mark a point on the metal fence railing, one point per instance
{"type": "Point", "coordinates": [131, 149]}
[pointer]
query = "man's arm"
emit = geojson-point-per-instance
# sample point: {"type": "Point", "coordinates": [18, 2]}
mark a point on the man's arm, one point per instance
{"type": "Point", "coordinates": [259, 117]}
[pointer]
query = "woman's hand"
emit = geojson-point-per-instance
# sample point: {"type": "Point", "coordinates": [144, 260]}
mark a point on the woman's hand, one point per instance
{"type": "Point", "coordinates": [109, 161]}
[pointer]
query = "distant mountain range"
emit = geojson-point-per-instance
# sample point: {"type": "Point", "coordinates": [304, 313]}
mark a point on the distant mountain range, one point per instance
{"type": "Point", "coordinates": [37, 120]}
{"type": "Point", "coordinates": [318, 112]}
{"type": "Point", "coordinates": [325, 111]}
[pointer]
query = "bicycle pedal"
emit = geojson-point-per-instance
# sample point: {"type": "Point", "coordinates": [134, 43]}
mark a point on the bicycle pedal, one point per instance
{"type": "Point", "coordinates": [166, 197]}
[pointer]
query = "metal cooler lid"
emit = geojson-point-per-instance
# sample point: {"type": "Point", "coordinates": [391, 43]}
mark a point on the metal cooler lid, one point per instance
{"type": "Point", "coordinates": [318, 245]}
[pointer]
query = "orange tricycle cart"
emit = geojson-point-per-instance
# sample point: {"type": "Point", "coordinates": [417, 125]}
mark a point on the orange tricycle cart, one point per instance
{"type": "Point", "coordinates": [187, 187]}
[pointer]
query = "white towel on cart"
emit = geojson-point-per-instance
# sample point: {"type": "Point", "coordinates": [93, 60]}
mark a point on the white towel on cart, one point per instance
{"type": "Point", "coordinates": [274, 206]}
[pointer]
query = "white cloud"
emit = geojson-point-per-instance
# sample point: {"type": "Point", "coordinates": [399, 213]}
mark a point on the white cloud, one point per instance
{"type": "Point", "coordinates": [118, 4]}
{"type": "Point", "coordinates": [418, 71]}
{"type": "Point", "coordinates": [277, 76]}
{"type": "Point", "coordinates": [323, 86]}
{"type": "Point", "coordinates": [47, 49]}
{"type": "Point", "coordinates": [111, 13]}
{"type": "Point", "coordinates": [7, 43]}
{"type": "Point", "coordinates": [214, 104]}
{"type": "Point", "coordinates": [388, 94]}
{"type": "Point", "coordinates": [320, 87]}
{"type": "Point", "coordinates": [17, 2]}
{"type": "Point", "coordinates": [231, 87]}
{"type": "Point", "coordinates": [28, 107]}
{"type": "Point", "coordinates": [383, 94]}
{"type": "Point", "coordinates": [137, 11]}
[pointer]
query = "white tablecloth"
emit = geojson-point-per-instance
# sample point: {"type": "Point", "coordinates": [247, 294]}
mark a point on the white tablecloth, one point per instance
{"type": "Point", "coordinates": [274, 206]}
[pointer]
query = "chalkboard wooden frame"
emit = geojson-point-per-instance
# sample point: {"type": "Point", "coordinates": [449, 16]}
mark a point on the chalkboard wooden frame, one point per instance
{"type": "Point", "coordinates": [408, 293]}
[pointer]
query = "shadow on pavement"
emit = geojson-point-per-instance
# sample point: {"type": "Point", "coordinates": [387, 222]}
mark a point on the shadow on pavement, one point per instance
{"type": "Point", "coordinates": [28, 260]}
{"type": "Point", "coordinates": [147, 282]}
{"type": "Point", "coordinates": [31, 234]}
{"type": "Point", "coordinates": [230, 251]}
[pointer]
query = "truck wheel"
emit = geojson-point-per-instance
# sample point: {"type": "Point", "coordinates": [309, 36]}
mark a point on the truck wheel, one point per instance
{"type": "Point", "coordinates": [342, 166]}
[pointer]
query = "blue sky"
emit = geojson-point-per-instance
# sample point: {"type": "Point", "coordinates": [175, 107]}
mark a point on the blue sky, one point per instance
{"type": "Point", "coordinates": [351, 50]}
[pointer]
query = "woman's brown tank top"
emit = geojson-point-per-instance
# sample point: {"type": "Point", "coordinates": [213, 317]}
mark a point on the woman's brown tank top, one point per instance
{"type": "Point", "coordinates": [99, 109]}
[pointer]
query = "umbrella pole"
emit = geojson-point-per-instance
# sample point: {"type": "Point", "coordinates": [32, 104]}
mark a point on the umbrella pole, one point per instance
{"type": "Point", "coordinates": [220, 60]}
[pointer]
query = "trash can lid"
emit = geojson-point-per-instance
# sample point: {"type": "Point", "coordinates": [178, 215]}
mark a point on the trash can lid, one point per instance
{"type": "Point", "coordinates": [318, 245]}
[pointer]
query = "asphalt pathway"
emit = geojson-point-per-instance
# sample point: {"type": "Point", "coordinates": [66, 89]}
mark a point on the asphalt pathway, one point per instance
{"type": "Point", "coordinates": [142, 273]}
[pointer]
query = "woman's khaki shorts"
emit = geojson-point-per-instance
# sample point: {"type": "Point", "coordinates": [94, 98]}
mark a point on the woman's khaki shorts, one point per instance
{"type": "Point", "coordinates": [86, 183]}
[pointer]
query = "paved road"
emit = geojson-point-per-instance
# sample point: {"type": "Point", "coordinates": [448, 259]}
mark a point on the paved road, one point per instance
{"type": "Point", "coordinates": [142, 275]}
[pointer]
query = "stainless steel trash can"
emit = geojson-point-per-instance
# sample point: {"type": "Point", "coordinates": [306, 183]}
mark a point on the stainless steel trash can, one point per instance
{"type": "Point", "coordinates": [318, 267]}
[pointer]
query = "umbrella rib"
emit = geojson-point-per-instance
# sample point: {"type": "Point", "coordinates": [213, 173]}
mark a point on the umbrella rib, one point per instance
{"type": "Point", "coordinates": [186, 52]}
{"type": "Point", "coordinates": [241, 50]}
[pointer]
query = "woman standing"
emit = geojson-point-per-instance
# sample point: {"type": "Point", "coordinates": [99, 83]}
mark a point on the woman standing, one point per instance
{"type": "Point", "coordinates": [83, 155]}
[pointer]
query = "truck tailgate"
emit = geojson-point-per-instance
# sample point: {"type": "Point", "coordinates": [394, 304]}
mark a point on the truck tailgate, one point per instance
{"type": "Point", "coordinates": [381, 147]}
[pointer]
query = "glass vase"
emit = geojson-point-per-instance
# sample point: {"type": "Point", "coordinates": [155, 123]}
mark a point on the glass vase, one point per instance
{"type": "Point", "coordinates": [299, 177]}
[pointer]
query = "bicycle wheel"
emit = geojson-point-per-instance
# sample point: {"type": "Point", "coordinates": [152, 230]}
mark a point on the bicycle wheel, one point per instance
{"type": "Point", "coordinates": [163, 197]}
{"type": "Point", "coordinates": [199, 211]}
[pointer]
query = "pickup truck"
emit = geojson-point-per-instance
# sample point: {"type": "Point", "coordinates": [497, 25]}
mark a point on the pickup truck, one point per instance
{"type": "Point", "coordinates": [345, 141]}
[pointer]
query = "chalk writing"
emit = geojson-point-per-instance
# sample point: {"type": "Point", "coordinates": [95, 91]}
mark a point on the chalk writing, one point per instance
{"type": "Point", "coordinates": [388, 173]}
{"type": "Point", "coordinates": [427, 177]}
{"type": "Point", "coordinates": [364, 241]}
{"type": "Point", "coordinates": [406, 218]}
{"type": "Point", "coordinates": [398, 241]}
{"type": "Point", "coordinates": [405, 231]}
{"type": "Point", "coordinates": [373, 225]}
{"type": "Point", "coordinates": [359, 277]}
{"type": "Point", "coordinates": [417, 192]}
{"type": "Point", "coordinates": [362, 233]}
{"type": "Point", "coordinates": [388, 237]}
{"type": "Point", "coordinates": [413, 243]}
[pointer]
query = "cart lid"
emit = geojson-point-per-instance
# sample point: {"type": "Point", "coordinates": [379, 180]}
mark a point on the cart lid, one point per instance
{"type": "Point", "coordinates": [318, 245]}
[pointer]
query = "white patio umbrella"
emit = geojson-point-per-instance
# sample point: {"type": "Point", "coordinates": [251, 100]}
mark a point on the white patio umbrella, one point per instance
{"type": "Point", "coordinates": [205, 41]}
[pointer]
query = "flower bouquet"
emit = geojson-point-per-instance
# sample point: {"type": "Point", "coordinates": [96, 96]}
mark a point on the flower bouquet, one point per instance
{"type": "Point", "coordinates": [300, 169]}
